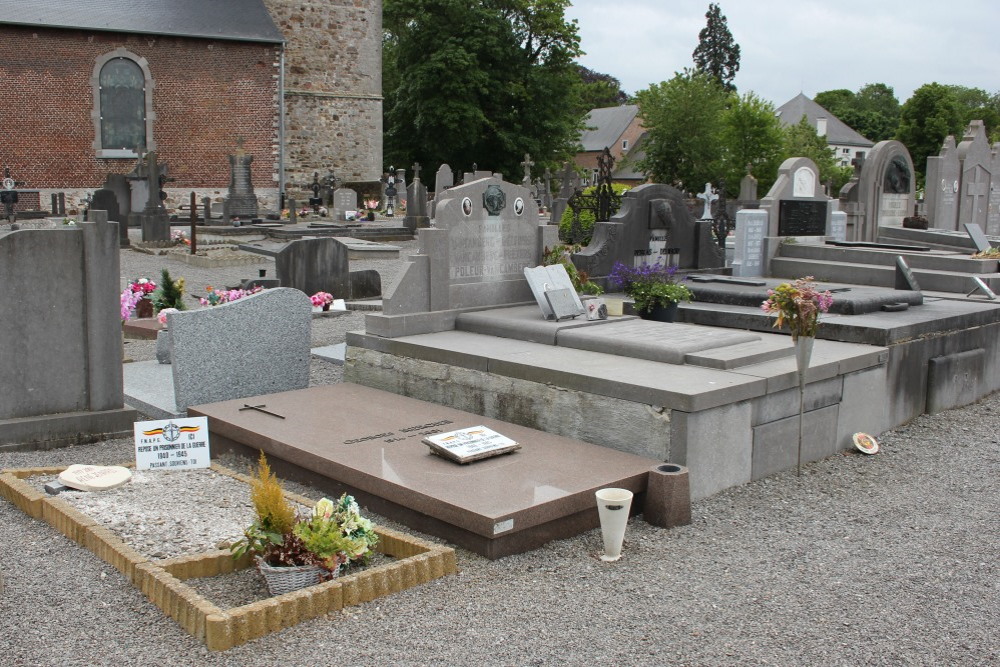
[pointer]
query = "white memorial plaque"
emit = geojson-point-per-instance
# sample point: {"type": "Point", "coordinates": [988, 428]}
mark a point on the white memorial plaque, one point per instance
{"type": "Point", "coordinates": [470, 444]}
{"type": "Point", "coordinates": [804, 183]}
{"type": "Point", "coordinates": [172, 444]}
{"type": "Point", "coordinates": [94, 478]}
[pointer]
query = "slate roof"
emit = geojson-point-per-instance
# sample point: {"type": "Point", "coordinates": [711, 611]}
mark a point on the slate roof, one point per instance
{"type": "Point", "coordinates": [626, 168]}
{"type": "Point", "coordinates": [837, 132]}
{"type": "Point", "coordinates": [239, 20]}
{"type": "Point", "coordinates": [609, 123]}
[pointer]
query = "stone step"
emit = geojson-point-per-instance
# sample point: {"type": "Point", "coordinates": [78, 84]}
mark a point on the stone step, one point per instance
{"type": "Point", "coordinates": [877, 275]}
{"type": "Point", "coordinates": [935, 260]}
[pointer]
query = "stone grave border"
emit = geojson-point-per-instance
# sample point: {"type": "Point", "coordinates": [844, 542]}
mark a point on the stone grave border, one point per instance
{"type": "Point", "coordinates": [162, 581]}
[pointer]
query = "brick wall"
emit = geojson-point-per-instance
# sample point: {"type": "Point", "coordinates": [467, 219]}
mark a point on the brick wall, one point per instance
{"type": "Point", "coordinates": [206, 94]}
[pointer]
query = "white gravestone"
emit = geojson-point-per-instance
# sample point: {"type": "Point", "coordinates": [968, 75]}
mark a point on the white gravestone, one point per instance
{"type": "Point", "coordinates": [838, 226]}
{"type": "Point", "coordinates": [804, 183]}
{"type": "Point", "coordinates": [94, 478]}
{"type": "Point", "coordinates": [751, 228]}
{"type": "Point", "coordinates": [708, 196]}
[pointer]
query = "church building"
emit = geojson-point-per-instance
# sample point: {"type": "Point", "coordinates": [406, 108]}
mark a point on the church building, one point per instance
{"type": "Point", "coordinates": [85, 85]}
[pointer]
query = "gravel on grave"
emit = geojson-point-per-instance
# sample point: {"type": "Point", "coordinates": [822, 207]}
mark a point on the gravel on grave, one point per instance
{"type": "Point", "coordinates": [885, 559]}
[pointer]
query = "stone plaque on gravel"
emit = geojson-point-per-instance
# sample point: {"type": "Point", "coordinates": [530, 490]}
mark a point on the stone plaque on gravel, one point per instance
{"type": "Point", "coordinates": [94, 478]}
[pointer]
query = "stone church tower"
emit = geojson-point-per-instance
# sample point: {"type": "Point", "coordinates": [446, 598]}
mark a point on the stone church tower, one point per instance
{"type": "Point", "coordinates": [332, 87]}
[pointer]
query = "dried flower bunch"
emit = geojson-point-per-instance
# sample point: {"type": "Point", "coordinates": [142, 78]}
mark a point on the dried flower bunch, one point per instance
{"type": "Point", "coordinates": [797, 304]}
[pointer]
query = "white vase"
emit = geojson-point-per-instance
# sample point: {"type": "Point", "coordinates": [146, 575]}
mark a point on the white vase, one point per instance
{"type": "Point", "coordinates": [613, 508]}
{"type": "Point", "coordinates": [803, 353]}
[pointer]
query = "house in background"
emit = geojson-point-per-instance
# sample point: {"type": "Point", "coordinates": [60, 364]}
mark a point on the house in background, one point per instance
{"type": "Point", "coordinates": [843, 141]}
{"type": "Point", "coordinates": [620, 130]}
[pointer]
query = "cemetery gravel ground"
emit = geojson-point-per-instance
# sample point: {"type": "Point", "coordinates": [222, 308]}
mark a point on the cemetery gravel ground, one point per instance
{"type": "Point", "coordinates": [887, 559]}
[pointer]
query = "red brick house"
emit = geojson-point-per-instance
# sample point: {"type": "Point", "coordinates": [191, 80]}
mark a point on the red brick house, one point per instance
{"type": "Point", "coordinates": [619, 129]}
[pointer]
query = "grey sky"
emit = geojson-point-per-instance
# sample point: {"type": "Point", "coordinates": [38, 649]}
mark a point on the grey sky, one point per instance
{"type": "Point", "coordinates": [792, 46]}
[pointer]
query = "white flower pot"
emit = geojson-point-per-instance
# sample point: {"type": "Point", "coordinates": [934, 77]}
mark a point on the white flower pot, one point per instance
{"type": "Point", "coordinates": [613, 507]}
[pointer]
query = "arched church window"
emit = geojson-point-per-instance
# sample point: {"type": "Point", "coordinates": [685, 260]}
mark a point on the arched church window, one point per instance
{"type": "Point", "coordinates": [123, 109]}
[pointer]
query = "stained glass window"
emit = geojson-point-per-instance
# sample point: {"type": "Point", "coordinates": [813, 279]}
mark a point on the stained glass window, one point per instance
{"type": "Point", "coordinates": [123, 105]}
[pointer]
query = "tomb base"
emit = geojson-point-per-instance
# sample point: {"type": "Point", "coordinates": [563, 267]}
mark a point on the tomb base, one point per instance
{"type": "Point", "coordinates": [62, 430]}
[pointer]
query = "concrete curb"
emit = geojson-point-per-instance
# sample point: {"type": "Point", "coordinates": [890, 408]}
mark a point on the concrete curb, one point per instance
{"type": "Point", "coordinates": [162, 581]}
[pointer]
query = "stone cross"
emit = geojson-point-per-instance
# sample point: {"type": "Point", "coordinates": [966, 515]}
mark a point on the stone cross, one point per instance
{"type": "Point", "coordinates": [416, 171]}
{"type": "Point", "coordinates": [976, 189]}
{"type": "Point", "coordinates": [527, 164]}
{"type": "Point", "coordinates": [708, 196]}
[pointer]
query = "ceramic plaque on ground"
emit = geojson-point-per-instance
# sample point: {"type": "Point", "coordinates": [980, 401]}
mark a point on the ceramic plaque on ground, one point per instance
{"type": "Point", "coordinates": [979, 239]}
{"type": "Point", "coordinates": [94, 478]}
{"type": "Point", "coordinates": [470, 444]}
{"type": "Point", "coordinates": [543, 279]}
{"type": "Point", "coordinates": [172, 444]}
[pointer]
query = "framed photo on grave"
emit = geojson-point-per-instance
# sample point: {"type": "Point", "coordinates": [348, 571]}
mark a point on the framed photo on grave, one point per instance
{"type": "Point", "coordinates": [802, 218]}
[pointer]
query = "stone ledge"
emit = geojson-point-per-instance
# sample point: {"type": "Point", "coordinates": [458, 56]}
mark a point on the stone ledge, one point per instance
{"type": "Point", "coordinates": [162, 581]}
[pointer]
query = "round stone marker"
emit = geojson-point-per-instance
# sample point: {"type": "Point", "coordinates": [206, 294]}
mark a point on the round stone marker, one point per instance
{"type": "Point", "coordinates": [94, 478]}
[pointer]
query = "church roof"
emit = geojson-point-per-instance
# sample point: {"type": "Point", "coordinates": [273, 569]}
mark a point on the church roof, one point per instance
{"type": "Point", "coordinates": [604, 126]}
{"type": "Point", "coordinates": [837, 132]}
{"type": "Point", "coordinates": [239, 20]}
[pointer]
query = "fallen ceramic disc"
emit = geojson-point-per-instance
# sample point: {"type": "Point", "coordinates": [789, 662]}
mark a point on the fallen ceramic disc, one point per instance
{"type": "Point", "coordinates": [865, 443]}
{"type": "Point", "coordinates": [94, 478]}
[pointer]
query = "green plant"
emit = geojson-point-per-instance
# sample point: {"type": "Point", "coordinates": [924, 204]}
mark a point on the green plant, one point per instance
{"type": "Point", "coordinates": [170, 293]}
{"type": "Point", "coordinates": [562, 254]}
{"type": "Point", "coordinates": [587, 218]}
{"type": "Point", "coordinates": [649, 285]}
{"type": "Point", "coordinates": [334, 533]}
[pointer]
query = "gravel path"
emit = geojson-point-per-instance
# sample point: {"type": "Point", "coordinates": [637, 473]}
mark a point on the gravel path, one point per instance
{"type": "Point", "coordinates": [885, 560]}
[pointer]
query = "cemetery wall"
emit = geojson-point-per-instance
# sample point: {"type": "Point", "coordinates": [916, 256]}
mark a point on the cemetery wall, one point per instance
{"type": "Point", "coordinates": [333, 87]}
{"type": "Point", "coordinates": [206, 94]}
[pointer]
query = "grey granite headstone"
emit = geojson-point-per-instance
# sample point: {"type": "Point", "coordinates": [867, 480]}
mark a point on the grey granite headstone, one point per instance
{"type": "Point", "coordinates": [416, 210]}
{"type": "Point", "coordinates": [344, 199]}
{"type": "Point", "coordinates": [993, 214]}
{"type": "Point", "coordinates": [941, 193]}
{"type": "Point", "coordinates": [241, 202]}
{"type": "Point", "coordinates": [443, 179]}
{"type": "Point", "coordinates": [118, 184]}
{"type": "Point", "coordinates": [256, 345]}
{"type": "Point", "coordinates": [905, 280]}
{"type": "Point", "coordinates": [106, 200]}
{"type": "Point", "coordinates": [979, 239]}
{"type": "Point", "coordinates": [315, 265]}
{"type": "Point", "coordinates": [976, 157]}
{"type": "Point", "coordinates": [751, 228]}
{"type": "Point", "coordinates": [544, 279]}
{"type": "Point", "coordinates": [795, 204]}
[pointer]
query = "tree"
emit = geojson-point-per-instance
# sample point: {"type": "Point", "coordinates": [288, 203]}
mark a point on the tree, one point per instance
{"type": "Point", "coordinates": [751, 137]}
{"type": "Point", "coordinates": [480, 82]}
{"type": "Point", "coordinates": [717, 53]}
{"type": "Point", "coordinates": [599, 90]}
{"type": "Point", "coordinates": [977, 104]}
{"type": "Point", "coordinates": [801, 140]}
{"type": "Point", "coordinates": [683, 119]}
{"type": "Point", "coordinates": [930, 115]}
{"type": "Point", "coordinates": [837, 101]}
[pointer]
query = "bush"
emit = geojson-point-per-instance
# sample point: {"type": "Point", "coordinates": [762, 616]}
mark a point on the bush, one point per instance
{"type": "Point", "coordinates": [586, 217]}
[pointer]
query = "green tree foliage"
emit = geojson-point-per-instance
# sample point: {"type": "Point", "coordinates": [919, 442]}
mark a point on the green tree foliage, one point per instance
{"type": "Point", "coordinates": [930, 115]}
{"type": "Point", "coordinates": [479, 82]}
{"type": "Point", "coordinates": [836, 101]}
{"type": "Point", "coordinates": [683, 119]}
{"type": "Point", "coordinates": [801, 140]}
{"type": "Point", "coordinates": [977, 104]}
{"type": "Point", "coordinates": [873, 111]}
{"type": "Point", "coordinates": [751, 136]}
{"type": "Point", "coordinates": [599, 90]}
{"type": "Point", "coordinates": [717, 53]}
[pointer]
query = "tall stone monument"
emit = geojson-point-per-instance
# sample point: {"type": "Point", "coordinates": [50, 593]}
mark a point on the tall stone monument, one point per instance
{"type": "Point", "coordinates": [153, 219]}
{"type": "Point", "coordinates": [241, 201]}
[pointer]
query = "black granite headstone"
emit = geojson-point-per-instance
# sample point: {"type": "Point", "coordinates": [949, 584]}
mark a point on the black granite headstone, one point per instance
{"type": "Point", "coordinates": [801, 218]}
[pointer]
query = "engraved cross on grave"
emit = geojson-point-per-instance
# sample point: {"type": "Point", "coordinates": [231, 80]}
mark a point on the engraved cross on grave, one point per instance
{"type": "Point", "coordinates": [708, 196]}
{"type": "Point", "coordinates": [976, 193]}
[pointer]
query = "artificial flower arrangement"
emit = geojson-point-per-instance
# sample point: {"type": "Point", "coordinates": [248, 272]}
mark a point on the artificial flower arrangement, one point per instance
{"type": "Point", "coordinates": [162, 316]}
{"type": "Point", "coordinates": [649, 285]}
{"type": "Point", "coordinates": [332, 535]}
{"type": "Point", "coordinates": [321, 299]}
{"type": "Point", "coordinates": [214, 297]}
{"type": "Point", "coordinates": [129, 300]}
{"type": "Point", "coordinates": [179, 237]}
{"type": "Point", "coordinates": [142, 286]}
{"type": "Point", "coordinates": [797, 304]}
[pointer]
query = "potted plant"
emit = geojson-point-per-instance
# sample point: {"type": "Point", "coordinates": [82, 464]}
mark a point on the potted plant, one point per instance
{"type": "Point", "coordinates": [322, 300]}
{"type": "Point", "coordinates": [652, 287]}
{"type": "Point", "coordinates": [293, 552]}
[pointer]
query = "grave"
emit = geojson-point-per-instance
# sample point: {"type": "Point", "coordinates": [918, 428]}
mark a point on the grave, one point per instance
{"type": "Point", "coordinates": [256, 345]}
{"type": "Point", "coordinates": [322, 265]}
{"type": "Point", "coordinates": [60, 360]}
{"type": "Point", "coordinates": [241, 201]}
{"type": "Point", "coordinates": [443, 179]}
{"type": "Point", "coordinates": [370, 446]}
{"type": "Point", "coordinates": [882, 192]}
{"type": "Point", "coordinates": [416, 210]}
{"type": "Point", "coordinates": [344, 200]}
{"type": "Point", "coordinates": [653, 225]}
{"type": "Point", "coordinates": [106, 200]}
{"type": "Point", "coordinates": [963, 183]}
{"type": "Point", "coordinates": [795, 204]}
{"type": "Point", "coordinates": [718, 401]}
{"type": "Point", "coordinates": [153, 219]}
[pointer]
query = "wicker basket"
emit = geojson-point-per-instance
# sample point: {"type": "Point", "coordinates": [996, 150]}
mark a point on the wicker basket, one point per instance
{"type": "Point", "coordinates": [281, 580]}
